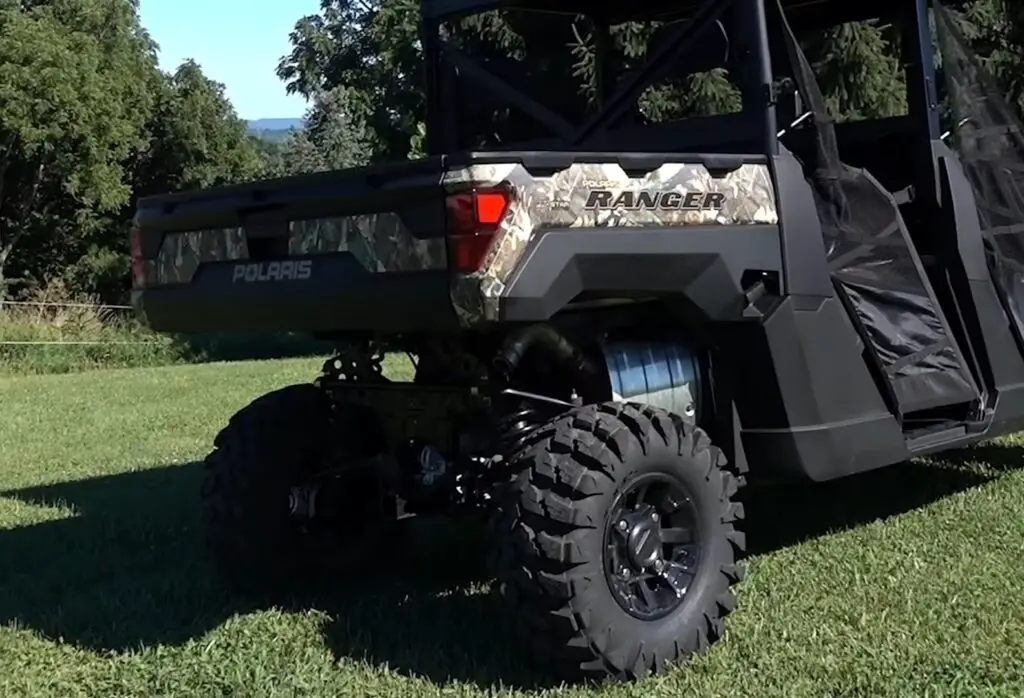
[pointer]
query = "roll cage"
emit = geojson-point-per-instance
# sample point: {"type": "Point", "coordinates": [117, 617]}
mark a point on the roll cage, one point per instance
{"type": "Point", "coordinates": [689, 39]}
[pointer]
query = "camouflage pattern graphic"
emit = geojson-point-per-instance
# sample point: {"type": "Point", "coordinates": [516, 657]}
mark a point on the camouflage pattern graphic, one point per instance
{"type": "Point", "coordinates": [182, 253]}
{"type": "Point", "coordinates": [677, 194]}
{"type": "Point", "coordinates": [380, 241]}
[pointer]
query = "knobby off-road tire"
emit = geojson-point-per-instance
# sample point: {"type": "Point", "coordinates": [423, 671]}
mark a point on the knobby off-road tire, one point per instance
{"type": "Point", "coordinates": [552, 529]}
{"type": "Point", "coordinates": [266, 447]}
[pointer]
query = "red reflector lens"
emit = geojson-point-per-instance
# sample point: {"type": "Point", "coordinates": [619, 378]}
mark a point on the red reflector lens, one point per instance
{"type": "Point", "coordinates": [491, 207]}
{"type": "Point", "coordinates": [138, 264]}
{"type": "Point", "coordinates": [473, 220]}
{"type": "Point", "coordinates": [138, 274]}
{"type": "Point", "coordinates": [461, 217]}
{"type": "Point", "coordinates": [468, 251]}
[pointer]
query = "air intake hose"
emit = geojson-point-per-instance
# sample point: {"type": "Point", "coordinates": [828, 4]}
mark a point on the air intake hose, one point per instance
{"type": "Point", "coordinates": [586, 376]}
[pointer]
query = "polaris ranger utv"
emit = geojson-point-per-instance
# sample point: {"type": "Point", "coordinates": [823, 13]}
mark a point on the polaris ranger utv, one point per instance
{"type": "Point", "coordinates": [614, 320]}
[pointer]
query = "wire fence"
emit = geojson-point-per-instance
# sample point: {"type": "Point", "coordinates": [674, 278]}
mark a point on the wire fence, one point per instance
{"type": "Point", "coordinates": [61, 335]}
{"type": "Point", "coordinates": [59, 304]}
{"type": "Point", "coordinates": [54, 304]}
{"type": "Point", "coordinates": [81, 342]}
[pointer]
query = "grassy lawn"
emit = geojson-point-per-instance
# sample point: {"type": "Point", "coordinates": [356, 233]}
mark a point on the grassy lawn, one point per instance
{"type": "Point", "coordinates": [905, 582]}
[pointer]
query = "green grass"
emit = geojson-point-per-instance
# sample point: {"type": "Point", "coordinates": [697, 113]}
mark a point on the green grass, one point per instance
{"type": "Point", "coordinates": [65, 333]}
{"type": "Point", "coordinates": [29, 345]}
{"type": "Point", "coordinates": [904, 582]}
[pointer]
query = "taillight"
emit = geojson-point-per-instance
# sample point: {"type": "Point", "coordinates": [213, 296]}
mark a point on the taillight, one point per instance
{"type": "Point", "coordinates": [138, 265]}
{"type": "Point", "coordinates": [473, 219]}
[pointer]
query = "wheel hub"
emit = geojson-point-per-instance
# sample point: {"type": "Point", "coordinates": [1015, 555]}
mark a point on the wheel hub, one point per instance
{"type": "Point", "coordinates": [302, 501]}
{"type": "Point", "coordinates": [643, 538]}
{"type": "Point", "coordinates": [652, 547]}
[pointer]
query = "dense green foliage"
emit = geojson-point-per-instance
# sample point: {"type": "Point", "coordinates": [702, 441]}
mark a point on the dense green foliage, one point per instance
{"type": "Point", "coordinates": [370, 47]}
{"type": "Point", "coordinates": [89, 123]}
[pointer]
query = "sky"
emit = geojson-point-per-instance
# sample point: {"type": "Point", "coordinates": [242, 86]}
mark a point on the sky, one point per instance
{"type": "Point", "coordinates": [237, 43]}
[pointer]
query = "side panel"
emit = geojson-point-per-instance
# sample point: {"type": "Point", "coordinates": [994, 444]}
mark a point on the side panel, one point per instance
{"type": "Point", "coordinates": [988, 138]}
{"type": "Point", "coordinates": [876, 272]}
{"type": "Point", "coordinates": [803, 244]}
{"type": "Point", "coordinates": [619, 201]}
{"type": "Point", "coordinates": [704, 263]}
{"type": "Point", "coordinates": [806, 403]}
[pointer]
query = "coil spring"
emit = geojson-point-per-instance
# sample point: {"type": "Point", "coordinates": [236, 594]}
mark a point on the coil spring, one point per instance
{"type": "Point", "coordinates": [515, 428]}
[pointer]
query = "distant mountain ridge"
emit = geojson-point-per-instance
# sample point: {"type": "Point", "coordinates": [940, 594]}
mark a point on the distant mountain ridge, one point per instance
{"type": "Point", "coordinates": [276, 130]}
{"type": "Point", "coordinates": [257, 125]}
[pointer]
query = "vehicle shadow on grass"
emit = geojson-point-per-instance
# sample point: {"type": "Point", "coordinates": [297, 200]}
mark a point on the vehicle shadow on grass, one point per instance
{"type": "Point", "coordinates": [782, 515]}
{"type": "Point", "coordinates": [128, 570]}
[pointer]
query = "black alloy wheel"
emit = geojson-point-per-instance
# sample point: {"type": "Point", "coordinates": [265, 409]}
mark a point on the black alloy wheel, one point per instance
{"type": "Point", "coordinates": [652, 549]}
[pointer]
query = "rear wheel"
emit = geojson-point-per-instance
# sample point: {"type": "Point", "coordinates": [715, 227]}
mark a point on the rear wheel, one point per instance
{"type": "Point", "coordinates": [618, 542]}
{"type": "Point", "coordinates": [273, 513]}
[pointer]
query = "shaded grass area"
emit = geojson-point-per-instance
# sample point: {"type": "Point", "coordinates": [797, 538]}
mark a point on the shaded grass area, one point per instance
{"type": "Point", "coordinates": [901, 582]}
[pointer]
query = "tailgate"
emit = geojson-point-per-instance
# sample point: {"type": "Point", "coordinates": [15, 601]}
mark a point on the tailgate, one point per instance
{"type": "Point", "coordinates": [347, 250]}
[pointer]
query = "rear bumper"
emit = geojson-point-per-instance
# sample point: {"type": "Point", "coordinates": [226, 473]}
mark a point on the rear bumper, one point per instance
{"type": "Point", "coordinates": [338, 294]}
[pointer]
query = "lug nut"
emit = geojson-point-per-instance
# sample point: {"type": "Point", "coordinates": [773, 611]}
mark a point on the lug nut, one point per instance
{"type": "Point", "coordinates": [623, 525]}
{"type": "Point", "coordinates": [654, 516]}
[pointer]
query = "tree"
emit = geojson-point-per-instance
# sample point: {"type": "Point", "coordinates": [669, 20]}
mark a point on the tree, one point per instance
{"type": "Point", "coordinates": [859, 71]}
{"type": "Point", "coordinates": [699, 93]}
{"type": "Point", "coordinates": [195, 137]}
{"type": "Point", "coordinates": [73, 89]}
{"type": "Point", "coordinates": [88, 124]}
{"type": "Point", "coordinates": [995, 29]}
{"type": "Point", "coordinates": [191, 138]}
{"type": "Point", "coordinates": [371, 48]}
{"type": "Point", "coordinates": [330, 140]}
{"type": "Point", "coordinates": [271, 152]}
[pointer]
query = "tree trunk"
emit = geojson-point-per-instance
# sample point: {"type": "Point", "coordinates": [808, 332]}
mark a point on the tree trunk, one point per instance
{"type": "Point", "coordinates": [5, 254]}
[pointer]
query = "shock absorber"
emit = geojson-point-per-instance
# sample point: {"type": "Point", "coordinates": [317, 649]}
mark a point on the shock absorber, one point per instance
{"type": "Point", "coordinates": [514, 429]}
{"type": "Point", "coordinates": [509, 432]}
